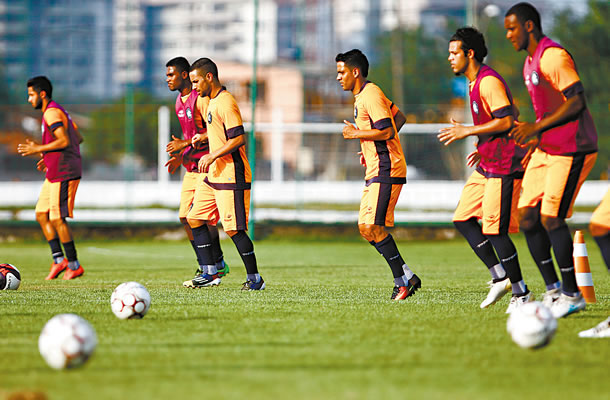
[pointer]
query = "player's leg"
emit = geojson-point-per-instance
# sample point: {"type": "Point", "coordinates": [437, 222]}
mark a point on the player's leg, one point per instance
{"type": "Point", "coordinates": [565, 176]}
{"type": "Point", "coordinates": [465, 220]}
{"type": "Point", "coordinates": [59, 262]}
{"type": "Point", "coordinates": [234, 207]}
{"type": "Point", "coordinates": [600, 228]}
{"type": "Point", "coordinates": [61, 207]}
{"type": "Point", "coordinates": [377, 212]}
{"type": "Point", "coordinates": [536, 236]}
{"type": "Point", "coordinates": [208, 193]}
{"type": "Point", "coordinates": [499, 207]}
{"type": "Point", "coordinates": [203, 209]}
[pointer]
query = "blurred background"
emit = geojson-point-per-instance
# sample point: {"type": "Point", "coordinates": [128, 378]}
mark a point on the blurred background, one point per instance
{"type": "Point", "coordinates": [106, 60]}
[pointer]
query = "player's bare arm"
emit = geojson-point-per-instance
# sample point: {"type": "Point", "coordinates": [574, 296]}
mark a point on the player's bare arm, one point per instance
{"type": "Point", "coordinates": [459, 131]}
{"type": "Point", "coordinates": [176, 145]}
{"type": "Point", "coordinates": [30, 147]}
{"type": "Point", "coordinates": [351, 132]}
{"type": "Point", "coordinates": [230, 146]}
{"type": "Point", "coordinates": [523, 132]}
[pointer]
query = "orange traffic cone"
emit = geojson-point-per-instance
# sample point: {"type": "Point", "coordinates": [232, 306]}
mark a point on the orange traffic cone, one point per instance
{"type": "Point", "coordinates": [584, 280]}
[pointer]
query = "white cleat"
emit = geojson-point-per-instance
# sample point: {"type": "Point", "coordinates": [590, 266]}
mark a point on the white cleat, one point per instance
{"type": "Point", "coordinates": [567, 305]}
{"type": "Point", "coordinates": [518, 301]}
{"type": "Point", "coordinates": [550, 297]}
{"type": "Point", "coordinates": [601, 330]}
{"type": "Point", "coordinates": [497, 290]}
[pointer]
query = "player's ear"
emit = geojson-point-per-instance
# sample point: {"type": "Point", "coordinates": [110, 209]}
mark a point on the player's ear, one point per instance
{"type": "Point", "coordinates": [185, 75]}
{"type": "Point", "coordinates": [470, 53]}
{"type": "Point", "coordinates": [529, 26]}
{"type": "Point", "coordinates": [356, 72]}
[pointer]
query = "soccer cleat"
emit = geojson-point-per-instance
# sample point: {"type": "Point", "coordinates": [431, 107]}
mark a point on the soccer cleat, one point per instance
{"type": "Point", "coordinates": [518, 301]}
{"type": "Point", "coordinates": [402, 292]}
{"type": "Point", "coordinates": [550, 297]}
{"type": "Point", "coordinates": [601, 330]}
{"type": "Point", "coordinates": [203, 280]}
{"type": "Point", "coordinates": [71, 274]}
{"type": "Point", "coordinates": [497, 290]}
{"type": "Point", "coordinates": [567, 305]}
{"type": "Point", "coordinates": [224, 270]}
{"type": "Point", "coordinates": [250, 285]}
{"type": "Point", "coordinates": [57, 269]}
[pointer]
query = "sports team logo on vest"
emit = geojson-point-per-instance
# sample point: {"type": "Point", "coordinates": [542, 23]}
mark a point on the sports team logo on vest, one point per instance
{"type": "Point", "coordinates": [535, 78]}
{"type": "Point", "coordinates": [475, 107]}
{"type": "Point", "coordinates": [209, 117]}
{"type": "Point", "coordinates": [189, 113]}
{"type": "Point", "coordinates": [355, 112]}
{"type": "Point", "coordinates": [181, 114]}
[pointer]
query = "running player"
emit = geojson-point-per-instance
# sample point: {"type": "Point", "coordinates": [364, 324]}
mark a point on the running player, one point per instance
{"type": "Point", "coordinates": [492, 191]}
{"type": "Point", "coordinates": [61, 162]}
{"type": "Point", "coordinates": [564, 157]}
{"type": "Point", "coordinates": [229, 176]}
{"type": "Point", "coordinates": [189, 110]}
{"type": "Point", "coordinates": [386, 168]}
{"type": "Point", "coordinates": [600, 229]}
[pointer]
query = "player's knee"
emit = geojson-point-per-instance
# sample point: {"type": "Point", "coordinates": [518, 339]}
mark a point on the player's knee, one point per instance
{"type": "Point", "coordinates": [551, 223]}
{"type": "Point", "coordinates": [232, 233]}
{"type": "Point", "coordinates": [184, 221]}
{"type": "Point", "coordinates": [42, 218]}
{"type": "Point", "coordinates": [527, 219]}
{"type": "Point", "coordinates": [598, 230]}
{"type": "Point", "coordinates": [194, 223]}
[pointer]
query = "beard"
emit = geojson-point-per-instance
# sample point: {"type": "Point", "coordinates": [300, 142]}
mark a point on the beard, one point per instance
{"type": "Point", "coordinates": [38, 105]}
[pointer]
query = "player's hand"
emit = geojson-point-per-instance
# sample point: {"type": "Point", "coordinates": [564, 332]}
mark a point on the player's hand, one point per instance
{"type": "Point", "coordinates": [41, 166]}
{"type": "Point", "coordinates": [362, 159]}
{"type": "Point", "coordinates": [173, 164]}
{"type": "Point", "coordinates": [205, 162]}
{"type": "Point", "coordinates": [28, 148]}
{"type": "Point", "coordinates": [523, 132]}
{"type": "Point", "coordinates": [199, 139]}
{"type": "Point", "coordinates": [176, 145]}
{"type": "Point", "coordinates": [531, 146]}
{"type": "Point", "coordinates": [473, 159]}
{"type": "Point", "coordinates": [451, 134]}
{"type": "Point", "coordinates": [349, 130]}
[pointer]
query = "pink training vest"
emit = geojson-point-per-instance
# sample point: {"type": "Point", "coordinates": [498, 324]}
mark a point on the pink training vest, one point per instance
{"type": "Point", "coordinates": [64, 164]}
{"type": "Point", "coordinates": [186, 115]}
{"type": "Point", "coordinates": [578, 136]}
{"type": "Point", "coordinates": [500, 155]}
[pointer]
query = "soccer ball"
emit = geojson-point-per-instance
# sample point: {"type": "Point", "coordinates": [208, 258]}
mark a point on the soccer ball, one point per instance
{"type": "Point", "coordinates": [531, 325]}
{"type": "Point", "coordinates": [130, 300]}
{"type": "Point", "coordinates": [67, 341]}
{"type": "Point", "coordinates": [10, 278]}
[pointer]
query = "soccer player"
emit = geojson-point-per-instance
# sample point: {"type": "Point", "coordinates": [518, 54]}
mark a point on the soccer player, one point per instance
{"type": "Point", "coordinates": [229, 176]}
{"type": "Point", "coordinates": [386, 168]}
{"type": "Point", "coordinates": [190, 109]}
{"type": "Point", "coordinates": [492, 191]}
{"type": "Point", "coordinates": [61, 162]}
{"type": "Point", "coordinates": [600, 229]}
{"type": "Point", "coordinates": [566, 152]}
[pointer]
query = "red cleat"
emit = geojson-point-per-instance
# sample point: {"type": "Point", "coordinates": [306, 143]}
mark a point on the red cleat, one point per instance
{"type": "Point", "coordinates": [71, 274]}
{"type": "Point", "coordinates": [57, 269]}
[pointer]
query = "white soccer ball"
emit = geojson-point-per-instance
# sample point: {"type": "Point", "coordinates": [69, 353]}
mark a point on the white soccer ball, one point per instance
{"type": "Point", "coordinates": [67, 341]}
{"type": "Point", "coordinates": [531, 325]}
{"type": "Point", "coordinates": [130, 300]}
{"type": "Point", "coordinates": [10, 278]}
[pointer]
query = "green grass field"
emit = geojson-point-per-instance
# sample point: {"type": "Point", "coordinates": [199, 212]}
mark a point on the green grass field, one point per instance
{"type": "Point", "coordinates": [324, 328]}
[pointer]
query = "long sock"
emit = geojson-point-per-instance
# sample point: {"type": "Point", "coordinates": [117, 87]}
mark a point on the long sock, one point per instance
{"type": "Point", "coordinates": [563, 247]}
{"type": "Point", "coordinates": [389, 251]}
{"type": "Point", "coordinates": [201, 237]}
{"type": "Point", "coordinates": [246, 251]}
{"type": "Point", "coordinates": [56, 251]}
{"type": "Point", "coordinates": [510, 260]}
{"type": "Point", "coordinates": [604, 246]}
{"type": "Point", "coordinates": [216, 250]}
{"type": "Point", "coordinates": [196, 253]}
{"type": "Point", "coordinates": [71, 255]}
{"type": "Point", "coordinates": [539, 245]}
{"type": "Point", "coordinates": [482, 247]}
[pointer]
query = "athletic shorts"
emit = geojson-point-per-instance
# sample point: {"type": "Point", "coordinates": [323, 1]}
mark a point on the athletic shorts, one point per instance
{"type": "Point", "coordinates": [190, 182]}
{"type": "Point", "coordinates": [492, 200]}
{"type": "Point", "coordinates": [57, 198]}
{"type": "Point", "coordinates": [555, 181]}
{"type": "Point", "coordinates": [601, 215]}
{"type": "Point", "coordinates": [378, 203]}
{"type": "Point", "coordinates": [232, 207]}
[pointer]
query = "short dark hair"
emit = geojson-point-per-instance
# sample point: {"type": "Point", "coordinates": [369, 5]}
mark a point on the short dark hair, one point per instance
{"type": "Point", "coordinates": [40, 83]}
{"type": "Point", "coordinates": [525, 12]}
{"type": "Point", "coordinates": [471, 39]}
{"type": "Point", "coordinates": [205, 65]}
{"type": "Point", "coordinates": [180, 63]}
{"type": "Point", "coordinates": [355, 58]}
